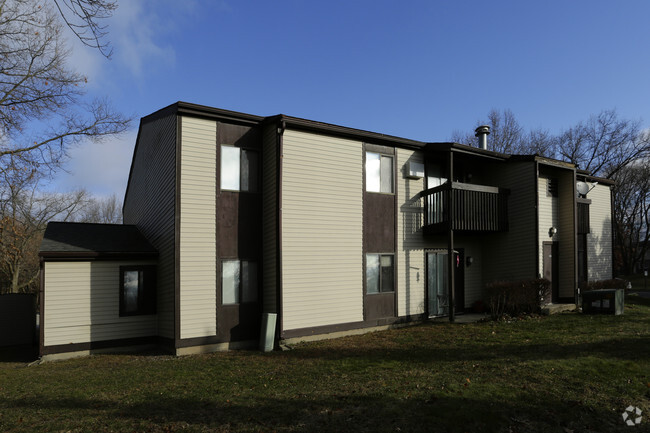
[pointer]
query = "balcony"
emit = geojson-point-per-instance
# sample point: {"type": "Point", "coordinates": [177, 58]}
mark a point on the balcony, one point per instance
{"type": "Point", "coordinates": [476, 208]}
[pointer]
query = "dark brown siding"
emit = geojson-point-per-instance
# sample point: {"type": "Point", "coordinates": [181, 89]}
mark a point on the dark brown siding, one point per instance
{"type": "Point", "coordinates": [378, 222]}
{"type": "Point", "coordinates": [150, 204]}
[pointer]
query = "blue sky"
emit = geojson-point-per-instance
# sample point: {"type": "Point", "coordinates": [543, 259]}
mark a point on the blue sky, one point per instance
{"type": "Point", "coordinates": [415, 69]}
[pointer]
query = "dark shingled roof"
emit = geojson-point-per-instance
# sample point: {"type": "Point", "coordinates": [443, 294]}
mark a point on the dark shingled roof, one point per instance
{"type": "Point", "coordinates": [94, 240]}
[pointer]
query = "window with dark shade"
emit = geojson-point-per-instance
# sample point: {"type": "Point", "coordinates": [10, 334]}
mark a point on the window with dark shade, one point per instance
{"type": "Point", "coordinates": [137, 290]}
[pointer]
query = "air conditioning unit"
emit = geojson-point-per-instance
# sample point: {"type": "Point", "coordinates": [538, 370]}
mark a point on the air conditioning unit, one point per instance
{"type": "Point", "coordinates": [415, 170]}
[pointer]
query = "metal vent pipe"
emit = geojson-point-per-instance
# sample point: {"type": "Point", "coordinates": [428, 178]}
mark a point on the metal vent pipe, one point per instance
{"type": "Point", "coordinates": [482, 132]}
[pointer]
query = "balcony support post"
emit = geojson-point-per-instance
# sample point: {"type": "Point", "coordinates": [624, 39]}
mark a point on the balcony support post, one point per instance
{"type": "Point", "coordinates": [450, 246]}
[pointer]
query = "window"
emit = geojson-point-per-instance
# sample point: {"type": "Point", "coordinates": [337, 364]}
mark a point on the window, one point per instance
{"type": "Point", "coordinates": [380, 273]}
{"type": "Point", "coordinates": [379, 172]}
{"type": "Point", "coordinates": [239, 169]}
{"type": "Point", "coordinates": [238, 282]}
{"type": "Point", "coordinates": [137, 290]}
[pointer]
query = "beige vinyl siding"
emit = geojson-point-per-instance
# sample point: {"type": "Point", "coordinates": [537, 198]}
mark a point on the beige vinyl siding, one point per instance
{"type": "Point", "coordinates": [322, 221]}
{"type": "Point", "coordinates": [512, 255]}
{"type": "Point", "coordinates": [150, 205]}
{"type": "Point", "coordinates": [599, 240]}
{"type": "Point", "coordinates": [411, 267]}
{"type": "Point", "coordinates": [567, 226]}
{"type": "Point", "coordinates": [198, 274]}
{"type": "Point", "coordinates": [269, 218]}
{"type": "Point", "coordinates": [82, 304]}
{"type": "Point", "coordinates": [548, 217]}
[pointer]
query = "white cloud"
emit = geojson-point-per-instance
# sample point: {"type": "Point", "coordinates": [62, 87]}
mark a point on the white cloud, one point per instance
{"type": "Point", "coordinates": [136, 32]}
{"type": "Point", "coordinates": [101, 168]}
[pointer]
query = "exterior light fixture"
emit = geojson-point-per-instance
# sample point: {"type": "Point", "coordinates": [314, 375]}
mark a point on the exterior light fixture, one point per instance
{"type": "Point", "coordinates": [552, 231]}
{"type": "Point", "coordinates": [469, 260]}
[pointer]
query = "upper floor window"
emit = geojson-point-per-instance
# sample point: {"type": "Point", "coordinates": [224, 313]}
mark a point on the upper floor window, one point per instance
{"type": "Point", "coordinates": [379, 172]}
{"type": "Point", "coordinates": [239, 169]}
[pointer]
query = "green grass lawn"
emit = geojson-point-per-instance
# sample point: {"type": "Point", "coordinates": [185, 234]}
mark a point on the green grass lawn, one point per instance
{"type": "Point", "coordinates": [564, 373]}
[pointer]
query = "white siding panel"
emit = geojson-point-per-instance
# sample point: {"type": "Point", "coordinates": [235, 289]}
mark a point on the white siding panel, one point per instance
{"type": "Point", "coordinates": [198, 228]}
{"type": "Point", "coordinates": [82, 304]}
{"type": "Point", "coordinates": [599, 241]}
{"type": "Point", "coordinates": [322, 219]}
{"type": "Point", "coordinates": [411, 269]}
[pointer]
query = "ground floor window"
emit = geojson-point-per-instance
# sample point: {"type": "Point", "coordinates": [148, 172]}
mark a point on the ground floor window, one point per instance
{"type": "Point", "coordinates": [238, 282]}
{"type": "Point", "coordinates": [137, 290]}
{"type": "Point", "coordinates": [380, 273]}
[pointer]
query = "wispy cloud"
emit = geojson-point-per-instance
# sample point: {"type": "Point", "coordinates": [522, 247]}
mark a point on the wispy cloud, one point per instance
{"type": "Point", "coordinates": [136, 32]}
{"type": "Point", "coordinates": [101, 168]}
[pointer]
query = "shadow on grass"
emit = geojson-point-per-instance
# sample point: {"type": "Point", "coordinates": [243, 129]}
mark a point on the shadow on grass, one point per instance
{"type": "Point", "coordinates": [448, 413]}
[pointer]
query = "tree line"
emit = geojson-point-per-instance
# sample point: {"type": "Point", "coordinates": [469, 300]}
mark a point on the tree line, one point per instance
{"type": "Point", "coordinates": [604, 145]}
{"type": "Point", "coordinates": [44, 110]}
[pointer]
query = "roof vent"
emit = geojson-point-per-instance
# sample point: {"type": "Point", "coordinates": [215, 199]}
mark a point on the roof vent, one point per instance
{"type": "Point", "coordinates": [482, 132]}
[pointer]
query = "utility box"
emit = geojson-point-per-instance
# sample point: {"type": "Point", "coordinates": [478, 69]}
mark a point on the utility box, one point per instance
{"type": "Point", "coordinates": [608, 301]}
{"type": "Point", "coordinates": [267, 333]}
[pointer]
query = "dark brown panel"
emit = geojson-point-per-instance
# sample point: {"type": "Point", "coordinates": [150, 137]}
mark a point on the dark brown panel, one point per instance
{"type": "Point", "coordinates": [94, 345]}
{"type": "Point", "coordinates": [379, 305]}
{"type": "Point", "coordinates": [379, 222]}
{"type": "Point", "coordinates": [239, 225]}
{"type": "Point", "coordinates": [388, 150]}
{"type": "Point", "coordinates": [328, 329]}
{"type": "Point", "coordinates": [239, 322]}
{"type": "Point", "coordinates": [239, 135]}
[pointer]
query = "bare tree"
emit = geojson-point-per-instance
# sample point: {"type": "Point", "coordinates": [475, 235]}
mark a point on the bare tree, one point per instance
{"type": "Point", "coordinates": [24, 213]}
{"type": "Point", "coordinates": [101, 210]}
{"type": "Point", "coordinates": [632, 214]}
{"type": "Point", "coordinates": [84, 18]}
{"type": "Point", "coordinates": [42, 106]}
{"type": "Point", "coordinates": [508, 136]}
{"type": "Point", "coordinates": [604, 144]}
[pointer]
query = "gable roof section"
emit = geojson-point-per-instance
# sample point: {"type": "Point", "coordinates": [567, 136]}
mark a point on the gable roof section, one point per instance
{"type": "Point", "coordinates": [68, 240]}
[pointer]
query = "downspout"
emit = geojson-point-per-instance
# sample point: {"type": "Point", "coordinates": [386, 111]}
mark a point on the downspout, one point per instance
{"type": "Point", "coordinates": [450, 244]}
{"type": "Point", "coordinates": [278, 257]}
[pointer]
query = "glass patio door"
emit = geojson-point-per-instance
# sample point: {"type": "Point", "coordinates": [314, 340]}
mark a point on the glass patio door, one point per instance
{"type": "Point", "coordinates": [437, 284]}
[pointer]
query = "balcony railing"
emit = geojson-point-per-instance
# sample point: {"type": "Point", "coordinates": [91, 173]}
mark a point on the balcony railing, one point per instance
{"type": "Point", "coordinates": [477, 208]}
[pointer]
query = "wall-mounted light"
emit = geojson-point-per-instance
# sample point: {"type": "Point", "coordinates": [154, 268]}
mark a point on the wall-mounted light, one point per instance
{"type": "Point", "coordinates": [552, 231]}
{"type": "Point", "coordinates": [469, 260]}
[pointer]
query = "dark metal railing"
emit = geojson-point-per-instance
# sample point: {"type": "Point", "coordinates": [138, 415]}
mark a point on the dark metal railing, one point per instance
{"type": "Point", "coordinates": [476, 208]}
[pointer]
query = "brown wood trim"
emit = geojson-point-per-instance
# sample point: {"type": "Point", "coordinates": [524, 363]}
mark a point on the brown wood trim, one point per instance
{"type": "Point", "coordinates": [537, 249]}
{"type": "Point", "coordinates": [364, 250]}
{"type": "Point", "coordinates": [396, 173]}
{"type": "Point", "coordinates": [177, 234]}
{"type": "Point", "coordinates": [94, 256]}
{"type": "Point", "coordinates": [201, 341]}
{"type": "Point", "coordinates": [103, 344]}
{"type": "Point", "coordinates": [350, 326]}
{"type": "Point", "coordinates": [574, 193]}
{"type": "Point", "coordinates": [278, 257]}
{"type": "Point", "coordinates": [41, 308]}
